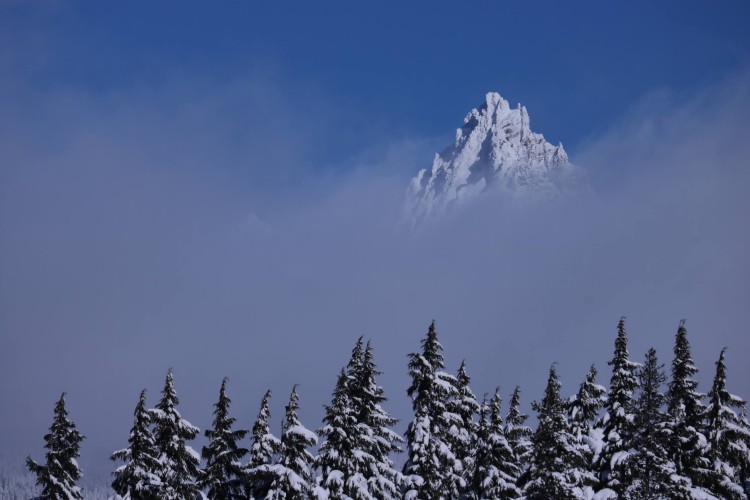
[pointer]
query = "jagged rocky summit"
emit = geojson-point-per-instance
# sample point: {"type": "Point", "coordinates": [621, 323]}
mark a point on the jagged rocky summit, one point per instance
{"type": "Point", "coordinates": [495, 150]}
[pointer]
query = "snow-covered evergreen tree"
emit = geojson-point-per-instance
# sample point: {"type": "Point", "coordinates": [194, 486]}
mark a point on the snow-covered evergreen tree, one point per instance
{"type": "Point", "coordinates": [179, 462]}
{"type": "Point", "coordinates": [728, 434]}
{"type": "Point", "coordinates": [686, 412]}
{"type": "Point", "coordinates": [137, 478]}
{"type": "Point", "coordinates": [292, 474]}
{"type": "Point", "coordinates": [584, 407]}
{"type": "Point", "coordinates": [375, 427]}
{"type": "Point", "coordinates": [354, 457]}
{"type": "Point", "coordinates": [265, 447]}
{"type": "Point", "coordinates": [495, 470]}
{"type": "Point", "coordinates": [518, 434]}
{"type": "Point", "coordinates": [431, 470]}
{"type": "Point", "coordinates": [651, 473]}
{"type": "Point", "coordinates": [550, 465]}
{"type": "Point", "coordinates": [58, 476]}
{"type": "Point", "coordinates": [462, 432]}
{"type": "Point", "coordinates": [224, 476]}
{"type": "Point", "coordinates": [617, 424]}
{"type": "Point", "coordinates": [340, 454]}
{"type": "Point", "coordinates": [583, 411]}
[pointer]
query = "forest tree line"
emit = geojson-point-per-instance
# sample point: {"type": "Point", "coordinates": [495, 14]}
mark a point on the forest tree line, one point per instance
{"type": "Point", "coordinates": [647, 436]}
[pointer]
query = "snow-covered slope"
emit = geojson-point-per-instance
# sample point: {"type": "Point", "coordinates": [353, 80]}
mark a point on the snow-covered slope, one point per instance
{"type": "Point", "coordinates": [495, 149]}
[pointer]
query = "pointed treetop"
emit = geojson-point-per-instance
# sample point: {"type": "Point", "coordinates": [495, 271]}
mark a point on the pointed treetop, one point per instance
{"type": "Point", "coordinates": [367, 357]}
{"type": "Point", "coordinates": [169, 393]}
{"type": "Point", "coordinates": [585, 405]}
{"type": "Point", "coordinates": [357, 353]}
{"type": "Point", "coordinates": [293, 400]}
{"type": "Point", "coordinates": [621, 333]}
{"type": "Point", "coordinates": [514, 413]}
{"type": "Point", "coordinates": [495, 405]}
{"type": "Point", "coordinates": [261, 424]}
{"type": "Point", "coordinates": [462, 371]}
{"type": "Point", "coordinates": [265, 445]}
{"type": "Point", "coordinates": [551, 400]}
{"type": "Point", "coordinates": [683, 387]}
{"type": "Point", "coordinates": [432, 348]}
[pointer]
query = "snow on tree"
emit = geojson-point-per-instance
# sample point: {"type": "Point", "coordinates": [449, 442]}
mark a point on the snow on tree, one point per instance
{"type": "Point", "coordinates": [137, 479]}
{"type": "Point", "coordinates": [647, 444]}
{"type": "Point", "coordinates": [224, 476]}
{"type": "Point", "coordinates": [517, 434]}
{"type": "Point", "coordinates": [495, 470]}
{"type": "Point", "coordinates": [651, 473]}
{"type": "Point", "coordinates": [179, 462]}
{"type": "Point", "coordinates": [582, 412]}
{"type": "Point", "coordinates": [431, 469]}
{"type": "Point", "coordinates": [357, 357]}
{"type": "Point", "coordinates": [728, 434]}
{"type": "Point", "coordinates": [617, 423]}
{"type": "Point", "coordinates": [553, 447]}
{"type": "Point", "coordinates": [291, 476]}
{"type": "Point", "coordinates": [462, 431]}
{"type": "Point", "coordinates": [340, 453]}
{"type": "Point", "coordinates": [583, 408]}
{"type": "Point", "coordinates": [375, 428]}
{"type": "Point", "coordinates": [59, 474]}
{"type": "Point", "coordinates": [354, 457]}
{"type": "Point", "coordinates": [265, 447]}
{"type": "Point", "coordinates": [687, 444]}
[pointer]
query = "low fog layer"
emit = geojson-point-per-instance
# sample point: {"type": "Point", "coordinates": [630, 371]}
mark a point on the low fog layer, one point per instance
{"type": "Point", "coordinates": [169, 227]}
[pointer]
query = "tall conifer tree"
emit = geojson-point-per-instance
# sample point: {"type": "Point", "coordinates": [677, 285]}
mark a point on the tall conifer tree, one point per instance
{"type": "Point", "coordinates": [293, 471]}
{"type": "Point", "coordinates": [137, 479]}
{"type": "Point", "coordinates": [617, 423]}
{"type": "Point", "coordinates": [518, 434]}
{"type": "Point", "coordinates": [582, 411]}
{"type": "Point", "coordinates": [686, 414]}
{"type": "Point", "coordinates": [431, 470]}
{"type": "Point", "coordinates": [495, 471]}
{"type": "Point", "coordinates": [462, 432]}
{"type": "Point", "coordinates": [728, 434]}
{"type": "Point", "coordinates": [224, 477]}
{"type": "Point", "coordinates": [375, 426]}
{"type": "Point", "coordinates": [548, 475]}
{"type": "Point", "coordinates": [651, 473]}
{"type": "Point", "coordinates": [262, 453]}
{"type": "Point", "coordinates": [354, 457]}
{"type": "Point", "coordinates": [59, 474]}
{"type": "Point", "coordinates": [339, 451]}
{"type": "Point", "coordinates": [179, 462]}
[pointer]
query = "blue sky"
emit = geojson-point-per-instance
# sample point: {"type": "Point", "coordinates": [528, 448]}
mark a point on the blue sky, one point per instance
{"type": "Point", "coordinates": [216, 190]}
{"type": "Point", "coordinates": [414, 67]}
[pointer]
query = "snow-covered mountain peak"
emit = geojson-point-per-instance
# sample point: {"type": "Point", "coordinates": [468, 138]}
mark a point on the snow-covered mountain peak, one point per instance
{"type": "Point", "coordinates": [494, 149]}
{"type": "Point", "coordinates": [494, 102]}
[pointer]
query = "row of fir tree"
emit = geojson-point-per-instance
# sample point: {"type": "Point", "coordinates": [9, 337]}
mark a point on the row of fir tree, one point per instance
{"type": "Point", "coordinates": [646, 437]}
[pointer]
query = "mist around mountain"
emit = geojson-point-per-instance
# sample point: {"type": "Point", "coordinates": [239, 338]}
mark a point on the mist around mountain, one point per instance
{"type": "Point", "coordinates": [142, 261]}
{"type": "Point", "coordinates": [494, 152]}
